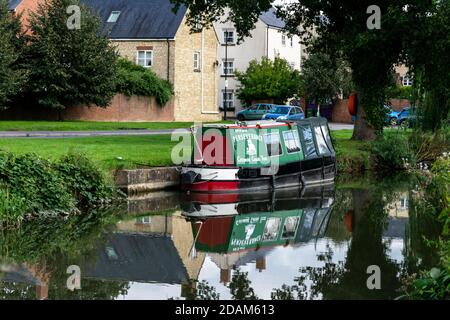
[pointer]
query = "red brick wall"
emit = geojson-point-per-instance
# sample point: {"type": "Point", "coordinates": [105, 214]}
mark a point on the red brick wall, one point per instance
{"type": "Point", "coordinates": [399, 104]}
{"type": "Point", "coordinates": [340, 112]}
{"type": "Point", "coordinates": [121, 109]}
{"type": "Point", "coordinates": [340, 109]}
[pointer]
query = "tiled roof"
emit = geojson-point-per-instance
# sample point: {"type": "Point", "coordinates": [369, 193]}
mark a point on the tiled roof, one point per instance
{"type": "Point", "coordinates": [138, 19]}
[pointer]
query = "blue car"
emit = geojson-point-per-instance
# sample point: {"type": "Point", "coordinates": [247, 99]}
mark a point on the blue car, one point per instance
{"type": "Point", "coordinates": [285, 113]}
{"type": "Point", "coordinates": [391, 116]}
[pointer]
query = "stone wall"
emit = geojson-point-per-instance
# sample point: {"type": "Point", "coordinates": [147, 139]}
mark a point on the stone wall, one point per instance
{"type": "Point", "coordinates": [162, 49]}
{"type": "Point", "coordinates": [196, 90]}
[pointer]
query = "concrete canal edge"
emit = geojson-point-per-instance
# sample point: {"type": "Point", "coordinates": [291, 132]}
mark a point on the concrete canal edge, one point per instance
{"type": "Point", "coordinates": [150, 179]}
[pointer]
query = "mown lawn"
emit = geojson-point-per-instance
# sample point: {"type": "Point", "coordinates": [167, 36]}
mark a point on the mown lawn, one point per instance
{"type": "Point", "coordinates": [87, 125]}
{"type": "Point", "coordinates": [154, 150]}
{"type": "Point", "coordinates": [108, 152]}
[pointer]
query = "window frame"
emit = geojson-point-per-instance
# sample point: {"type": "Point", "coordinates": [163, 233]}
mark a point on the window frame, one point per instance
{"type": "Point", "coordinates": [224, 62]}
{"type": "Point", "coordinates": [115, 14]}
{"type": "Point", "coordinates": [283, 40]}
{"type": "Point", "coordinates": [227, 36]}
{"type": "Point", "coordinates": [197, 62]}
{"type": "Point", "coordinates": [226, 100]}
{"type": "Point", "coordinates": [145, 58]}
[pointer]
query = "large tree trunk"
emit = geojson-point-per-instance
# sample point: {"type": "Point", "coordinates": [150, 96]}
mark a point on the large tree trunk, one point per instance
{"type": "Point", "coordinates": [362, 130]}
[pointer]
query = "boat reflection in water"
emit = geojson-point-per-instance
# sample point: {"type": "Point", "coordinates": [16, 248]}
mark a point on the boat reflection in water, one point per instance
{"type": "Point", "coordinates": [242, 228]}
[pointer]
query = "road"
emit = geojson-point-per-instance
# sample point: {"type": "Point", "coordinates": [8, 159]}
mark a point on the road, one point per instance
{"type": "Point", "coordinates": [73, 134]}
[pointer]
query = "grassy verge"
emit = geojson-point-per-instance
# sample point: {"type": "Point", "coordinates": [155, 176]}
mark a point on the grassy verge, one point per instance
{"type": "Point", "coordinates": [87, 125]}
{"type": "Point", "coordinates": [107, 152]}
{"type": "Point", "coordinates": [352, 156]}
{"type": "Point", "coordinates": [137, 151]}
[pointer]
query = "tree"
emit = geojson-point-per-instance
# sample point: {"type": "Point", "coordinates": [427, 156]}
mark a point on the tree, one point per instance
{"type": "Point", "coordinates": [12, 76]}
{"type": "Point", "coordinates": [427, 49]}
{"type": "Point", "coordinates": [268, 79]}
{"type": "Point", "coordinates": [325, 79]}
{"type": "Point", "coordinates": [369, 37]}
{"type": "Point", "coordinates": [69, 65]}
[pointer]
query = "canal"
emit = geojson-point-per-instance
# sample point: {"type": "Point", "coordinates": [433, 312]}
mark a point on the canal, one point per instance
{"type": "Point", "coordinates": [351, 240]}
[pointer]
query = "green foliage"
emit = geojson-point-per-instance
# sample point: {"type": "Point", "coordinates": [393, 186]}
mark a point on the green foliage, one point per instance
{"type": "Point", "coordinates": [12, 75]}
{"type": "Point", "coordinates": [86, 181]}
{"type": "Point", "coordinates": [137, 80]}
{"type": "Point", "coordinates": [39, 187]}
{"type": "Point", "coordinates": [400, 92]}
{"type": "Point", "coordinates": [428, 146]}
{"type": "Point", "coordinates": [324, 79]}
{"type": "Point", "coordinates": [391, 153]}
{"type": "Point", "coordinates": [268, 79]}
{"type": "Point", "coordinates": [240, 288]}
{"type": "Point", "coordinates": [427, 45]}
{"type": "Point", "coordinates": [69, 66]}
{"type": "Point", "coordinates": [12, 208]}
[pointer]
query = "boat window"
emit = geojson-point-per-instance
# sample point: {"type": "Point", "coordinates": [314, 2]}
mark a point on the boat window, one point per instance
{"type": "Point", "coordinates": [326, 133]}
{"type": "Point", "coordinates": [271, 229]}
{"type": "Point", "coordinates": [272, 141]}
{"type": "Point", "coordinates": [309, 142]}
{"type": "Point", "coordinates": [321, 144]}
{"type": "Point", "coordinates": [290, 227]}
{"type": "Point", "coordinates": [291, 141]}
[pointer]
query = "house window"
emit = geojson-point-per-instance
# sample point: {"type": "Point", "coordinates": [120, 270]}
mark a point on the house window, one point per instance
{"type": "Point", "coordinates": [113, 16]}
{"type": "Point", "coordinates": [144, 58]}
{"type": "Point", "coordinates": [144, 220]}
{"type": "Point", "coordinates": [228, 36]}
{"type": "Point", "coordinates": [406, 80]}
{"type": "Point", "coordinates": [228, 67]}
{"type": "Point", "coordinates": [228, 99]}
{"type": "Point", "coordinates": [283, 40]}
{"type": "Point", "coordinates": [291, 39]}
{"type": "Point", "coordinates": [196, 61]}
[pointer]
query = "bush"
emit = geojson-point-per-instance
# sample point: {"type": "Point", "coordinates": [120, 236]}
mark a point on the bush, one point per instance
{"type": "Point", "coordinates": [85, 181]}
{"type": "Point", "coordinates": [12, 208]}
{"type": "Point", "coordinates": [40, 187]}
{"type": "Point", "coordinates": [137, 80]}
{"type": "Point", "coordinates": [400, 92]}
{"type": "Point", "coordinates": [391, 153]}
{"type": "Point", "coordinates": [427, 146]}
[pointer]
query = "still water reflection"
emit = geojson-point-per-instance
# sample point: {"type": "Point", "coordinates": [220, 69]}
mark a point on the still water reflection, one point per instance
{"type": "Point", "coordinates": [293, 244]}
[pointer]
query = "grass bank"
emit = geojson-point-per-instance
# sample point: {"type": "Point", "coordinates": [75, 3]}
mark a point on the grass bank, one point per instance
{"type": "Point", "coordinates": [114, 152]}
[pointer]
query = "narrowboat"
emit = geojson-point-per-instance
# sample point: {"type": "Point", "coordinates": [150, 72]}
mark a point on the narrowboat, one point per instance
{"type": "Point", "coordinates": [259, 155]}
{"type": "Point", "coordinates": [285, 217]}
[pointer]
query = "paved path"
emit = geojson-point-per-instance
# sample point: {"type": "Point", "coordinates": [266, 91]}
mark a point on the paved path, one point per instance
{"type": "Point", "coordinates": [72, 134]}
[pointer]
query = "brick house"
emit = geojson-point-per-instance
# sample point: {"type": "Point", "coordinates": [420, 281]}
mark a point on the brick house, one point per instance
{"type": "Point", "coordinates": [150, 34]}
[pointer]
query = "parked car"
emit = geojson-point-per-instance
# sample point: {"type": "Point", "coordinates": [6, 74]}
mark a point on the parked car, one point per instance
{"type": "Point", "coordinates": [285, 113]}
{"type": "Point", "coordinates": [254, 112]}
{"type": "Point", "coordinates": [391, 115]}
{"type": "Point", "coordinates": [408, 117]}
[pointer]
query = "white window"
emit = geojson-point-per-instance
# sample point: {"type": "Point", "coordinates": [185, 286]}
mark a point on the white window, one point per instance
{"type": "Point", "coordinates": [144, 58]}
{"type": "Point", "coordinates": [283, 40]}
{"type": "Point", "coordinates": [291, 141]}
{"type": "Point", "coordinates": [228, 36]}
{"type": "Point", "coordinates": [144, 220]}
{"type": "Point", "coordinates": [228, 99]}
{"type": "Point", "coordinates": [228, 67]}
{"type": "Point", "coordinates": [113, 16]}
{"type": "Point", "coordinates": [196, 60]}
{"type": "Point", "coordinates": [406, 80]}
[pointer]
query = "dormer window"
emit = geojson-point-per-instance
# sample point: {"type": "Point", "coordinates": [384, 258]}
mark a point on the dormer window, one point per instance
{"type": "Point", "coordinates": [113, 16]}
